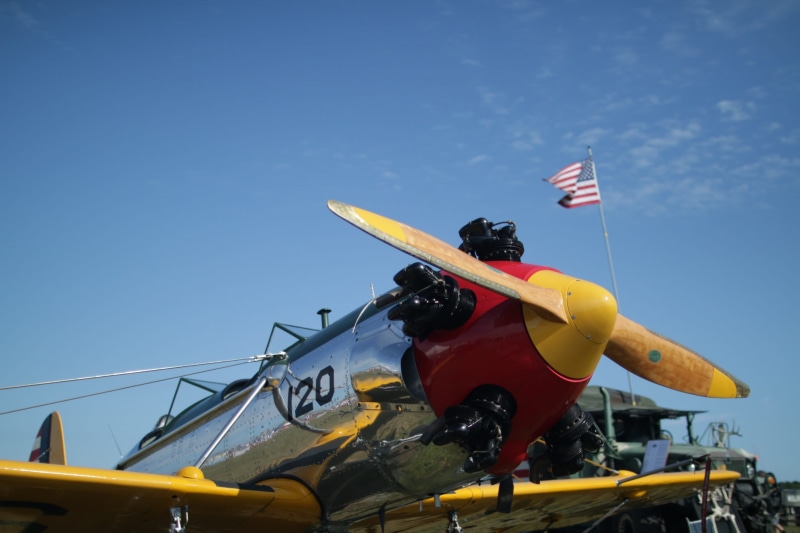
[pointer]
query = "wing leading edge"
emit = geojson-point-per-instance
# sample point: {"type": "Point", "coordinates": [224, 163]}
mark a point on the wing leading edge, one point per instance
{"type": "Point", "coordinates": [66, 498]}
{"type": "Point", "coordinates": [556, 503]}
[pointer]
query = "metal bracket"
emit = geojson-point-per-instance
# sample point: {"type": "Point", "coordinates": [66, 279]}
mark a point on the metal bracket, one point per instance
{"type": "Point", "coordinates": [695, 460]}
{"type": "Point", "coordinates": [452, 523]}
{"type": "Point", "coordinates": [180, 518]}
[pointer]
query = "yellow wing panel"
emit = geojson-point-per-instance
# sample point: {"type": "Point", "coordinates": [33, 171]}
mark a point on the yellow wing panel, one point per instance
{"type": "Point", "coordinates": [556, 503]}
{"type": "Point", "coordinates": [47, 497]}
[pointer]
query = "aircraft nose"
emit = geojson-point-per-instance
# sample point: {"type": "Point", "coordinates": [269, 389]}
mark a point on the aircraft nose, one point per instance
{"type": "Point", "coordinates": [573, 349]}
{"type": "Point", "coordinates": [592, 310]}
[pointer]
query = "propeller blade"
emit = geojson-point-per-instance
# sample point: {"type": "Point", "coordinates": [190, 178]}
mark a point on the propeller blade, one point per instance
{"type": "Point", "coordinates": [546, 302]}
{"type": "Point", "coordinates": [664, 362]}
{"type": "Point", "coordinates": [632, 346]}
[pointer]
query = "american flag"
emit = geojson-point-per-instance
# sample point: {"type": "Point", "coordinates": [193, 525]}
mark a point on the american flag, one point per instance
{"type": "Point", "coordinates": [579, 182]}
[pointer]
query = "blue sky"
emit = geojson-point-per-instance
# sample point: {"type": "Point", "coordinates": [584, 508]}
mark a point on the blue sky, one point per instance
{"type": "Point", "coordinates": [164, 169]}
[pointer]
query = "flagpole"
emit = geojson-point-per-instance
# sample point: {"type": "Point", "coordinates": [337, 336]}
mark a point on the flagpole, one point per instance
{"type": "Point", "coordinates": [605, 231]}
{"type": "Point", "coordinates": [608, 252]}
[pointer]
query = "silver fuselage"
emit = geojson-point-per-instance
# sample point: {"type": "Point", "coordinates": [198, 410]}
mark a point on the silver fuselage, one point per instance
{"type": "Point", "coordinates": [344, 416]}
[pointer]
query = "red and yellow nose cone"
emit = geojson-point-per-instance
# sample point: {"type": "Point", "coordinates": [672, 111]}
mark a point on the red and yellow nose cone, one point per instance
{"type": "Point", "coordinates": [573, 349]}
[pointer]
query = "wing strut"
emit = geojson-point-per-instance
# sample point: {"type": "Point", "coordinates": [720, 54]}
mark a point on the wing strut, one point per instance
{"type": "Point", "coordinates": [505, 495]}
{"type": "Point", "coordinates": [254, 390]}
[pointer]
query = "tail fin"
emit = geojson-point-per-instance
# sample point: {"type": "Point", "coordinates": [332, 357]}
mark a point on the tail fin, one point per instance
{"type": "Point", "coordinates": [49, 444]}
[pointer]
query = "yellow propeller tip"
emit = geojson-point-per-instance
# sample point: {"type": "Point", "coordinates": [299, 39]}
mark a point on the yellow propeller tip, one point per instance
{"type": "Point", "coordinates": [725, 386]}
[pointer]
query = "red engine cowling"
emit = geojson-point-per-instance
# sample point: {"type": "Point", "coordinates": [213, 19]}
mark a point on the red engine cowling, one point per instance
{"type": "Point", "coordinates": [494, 347]}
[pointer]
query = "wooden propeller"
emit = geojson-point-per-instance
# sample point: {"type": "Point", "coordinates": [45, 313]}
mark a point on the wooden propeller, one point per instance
{"type": "Point", "coordinates": [658, 359]}
{"type": "Point", "coordinates": [545, 301]}
{"type": "Point", "coordinates": [632, 346]}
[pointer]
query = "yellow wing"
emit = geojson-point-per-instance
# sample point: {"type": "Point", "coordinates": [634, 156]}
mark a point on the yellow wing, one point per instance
{"type": "Point", "coordinates": [67, 498]}
{"type": "Point", "coordinates": [52, 497]}
{"type": "Point", "coordinates": [556, 503]}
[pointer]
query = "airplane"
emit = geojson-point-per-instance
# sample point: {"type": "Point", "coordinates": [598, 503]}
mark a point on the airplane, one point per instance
{"type": "Point", "coordinates": [410, 413]}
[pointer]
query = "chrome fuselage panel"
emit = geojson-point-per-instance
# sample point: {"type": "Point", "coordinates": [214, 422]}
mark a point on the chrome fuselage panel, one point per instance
{"type": "Point", "coordinates": [346, 419]}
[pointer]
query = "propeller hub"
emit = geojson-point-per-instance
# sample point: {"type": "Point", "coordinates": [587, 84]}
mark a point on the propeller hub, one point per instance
{"type": "Point", "coordinates": [592, 310]}
{"type": "Point", "coordinates": [573, 349]}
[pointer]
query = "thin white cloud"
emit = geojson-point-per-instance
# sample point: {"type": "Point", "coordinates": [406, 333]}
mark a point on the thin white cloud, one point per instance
{"type": "Point", "coordinates": [670, 134]}
{"type": "Point", "coordinates": [757, 92]}
{"type": "Point", "coordinates": [525, 10]}
{"type": "Point", "coordinates": [676, 168]}
{"type": "Point", "coordinates": [592, 136]}
{"type": "Point", "coordinates": [736, 111]}
{"type": "Point", "coordinates": [487, 96]}
{"type": "Point", "coordinates": [792, 138]}
{"type": "Point", "coordinates": [471, 63]}
{"type": "Point", "coordinates": [635, 132]}
{"type": "Point", "coordinates": [675, 134]}
{"type": "Point", "coordinates": [727, 143]}
{"type": "Point", "coordinates": [515, 4]}
{"type": "Point", "coordinates": [523, 145]}
{"type": "Point", "coordinates": [495, 101]}
{"type": "Point", "coordinates": [22, 16]}
{"type": "Point", "coordinates": [736, 17]}
{"type": "Point", "coordinates": [770, 167]}
{"type": "Point", "coordinates": [626, 57]}
{"type": "Point", "coordinates": [524, 138]}
{"type": "Point", "coordinates": [654, 100]}
{"type": "Point", "coordinates": [613, 102]}
{"type": "Point", "coordinates": [674, 42]}
{"type": "Point", "coordinates": [644, 156]}
{"type": "Point", "coordinates": [478, 159]}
